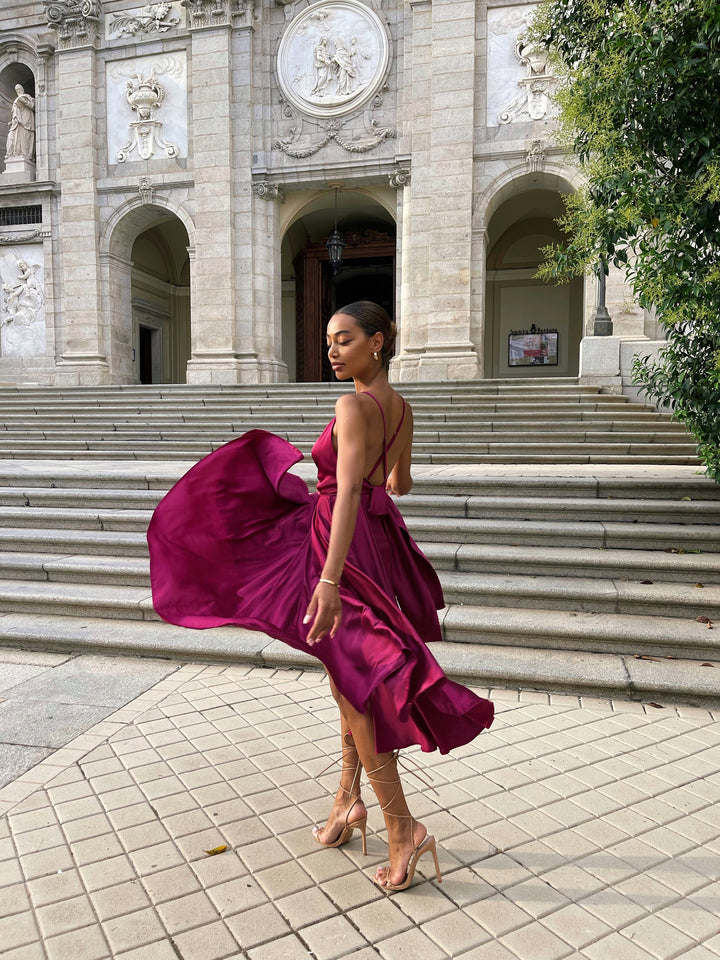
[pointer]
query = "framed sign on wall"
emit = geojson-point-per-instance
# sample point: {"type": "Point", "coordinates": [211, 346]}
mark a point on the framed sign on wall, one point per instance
{"type": "Point", "coordinates": [532, 348]}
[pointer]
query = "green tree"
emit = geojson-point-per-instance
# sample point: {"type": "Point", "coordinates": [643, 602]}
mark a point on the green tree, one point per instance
{"type": "Point", "coordinates": [640, 109]}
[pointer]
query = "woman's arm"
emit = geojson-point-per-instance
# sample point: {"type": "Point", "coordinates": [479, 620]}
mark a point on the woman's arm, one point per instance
{"type": "Point", "coordinates": [350, 427]}
{"type": "Point", "coordinates": [400, 480]}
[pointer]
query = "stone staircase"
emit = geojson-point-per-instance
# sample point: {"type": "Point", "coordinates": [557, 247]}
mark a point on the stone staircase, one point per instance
{"type": "Point", "coordinates": [587, 583]}
{"type": "Point", "coordinates": [556, 421]}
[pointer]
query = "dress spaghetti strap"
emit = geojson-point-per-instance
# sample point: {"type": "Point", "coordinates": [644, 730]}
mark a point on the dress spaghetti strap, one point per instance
{"type": "Point", "coordinates": [386, 446]}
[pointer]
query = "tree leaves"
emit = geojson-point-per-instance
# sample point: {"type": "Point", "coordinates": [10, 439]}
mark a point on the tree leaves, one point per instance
{"type": "Point", "coordinates": [640, 108]}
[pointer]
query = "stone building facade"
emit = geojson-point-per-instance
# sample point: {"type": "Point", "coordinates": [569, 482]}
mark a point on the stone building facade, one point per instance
{"type": "Point", "coordinates": [172, 172]}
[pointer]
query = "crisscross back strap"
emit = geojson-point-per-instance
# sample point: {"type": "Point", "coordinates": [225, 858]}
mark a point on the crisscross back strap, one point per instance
{"type": "Point", "coordinates": [386, 445]}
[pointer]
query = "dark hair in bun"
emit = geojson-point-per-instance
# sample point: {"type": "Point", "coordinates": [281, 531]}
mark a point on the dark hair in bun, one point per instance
{"type": "Point", "coordinates": [372, 319]}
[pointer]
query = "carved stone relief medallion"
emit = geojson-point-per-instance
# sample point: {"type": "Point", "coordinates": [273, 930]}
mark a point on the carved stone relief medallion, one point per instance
{"type": "Point", "coordinates": [333, 58]}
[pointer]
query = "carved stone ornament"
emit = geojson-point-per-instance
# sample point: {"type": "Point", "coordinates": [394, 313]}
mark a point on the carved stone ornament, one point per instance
{"type": "Point", "coordinates": [268, 191]}
{"type": "Point", "coordinates": [399, 178]}
{"type": "Point", "coordinates": [332, 65]}
{"type": "Point", "coordinates": [76, 21]}
{"type": "Point", "coordinates": [145, 95]}
{"type": "Point", "coordinates": [536, 156]}
{"type": "Point", "coordinates": [204, 13]}
{"type": "Point", "coordinates": [537, 86]}
{"type": "Point", "coordinates": [141, 21]}
{"type": "Point", "coordinates": [145, 189]}
{"type": "Point", "coordinates": [22, 316]}
{"type": "Point", "coordinates": [333, 58]}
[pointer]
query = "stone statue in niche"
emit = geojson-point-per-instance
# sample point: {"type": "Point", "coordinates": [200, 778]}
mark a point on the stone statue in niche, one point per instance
{"type": "Point", "coordinates": [22, 327]}
{"type": "Point", "coordinates": [534, 103]}
{"type": "Point", "coordinates": [21, 131]}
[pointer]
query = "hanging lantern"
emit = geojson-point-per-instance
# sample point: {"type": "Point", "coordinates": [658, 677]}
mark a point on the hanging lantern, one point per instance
{"type": "Point", "coordinates": [335, 244]}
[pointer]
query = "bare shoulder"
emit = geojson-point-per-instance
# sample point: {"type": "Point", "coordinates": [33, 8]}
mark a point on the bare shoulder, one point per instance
{"type": "Point", "coordinates": [349, 407]}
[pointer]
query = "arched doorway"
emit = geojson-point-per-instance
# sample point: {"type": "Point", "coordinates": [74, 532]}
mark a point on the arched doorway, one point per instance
{"type": "Point", "coordinates": [312, 292]}
{"type": "Point", "coordinates": [160, 286]}
{"type": "Point", "coordinates": [532, 328]}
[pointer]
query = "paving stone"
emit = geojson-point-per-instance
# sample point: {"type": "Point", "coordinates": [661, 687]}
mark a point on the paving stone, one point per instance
{"type": "Point", "coordinates": [88, 943]}
{"type": "Point", "coordinates": [332, 938]}
{"type": "Point", "coordinates": [260, 925]}
{"type": "Point", "coordinates": [209, 942]}
{"type": "Point", "coordinates": [410, 945]}
{"type": "Point", "coordinates": [289, 948]}
{"type": "Point", "coordinates": [37, 723]}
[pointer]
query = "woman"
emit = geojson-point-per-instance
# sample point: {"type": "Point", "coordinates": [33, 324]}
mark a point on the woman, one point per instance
{"type": "Point", "coordinates": [239, 540]}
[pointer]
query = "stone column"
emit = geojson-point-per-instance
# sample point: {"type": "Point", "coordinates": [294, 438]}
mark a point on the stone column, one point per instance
{"type": "Point", "coordinates": [438, 345]}
{"type": "Point", "coordinates": [84, 332]}
{"type": "Point", "coordinates": [214, 350]}
{"type": "Point", "coordinates": [261, 320]}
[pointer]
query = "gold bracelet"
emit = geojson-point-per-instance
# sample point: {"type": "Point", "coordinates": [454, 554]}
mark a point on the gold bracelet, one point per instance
{"type": "Point", "coordinates": [331, 582]}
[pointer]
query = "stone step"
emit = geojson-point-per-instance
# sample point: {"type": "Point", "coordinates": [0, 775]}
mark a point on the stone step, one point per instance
{"type": "Point", "coordinates": [569, 508]}
{"type": "Point", "coordinates": [301, 434]}
{"type": "Point", "coordinates": [486, 665]}
{"type": "Point", "coordinates": [635, 598]}
{"type": "Point", "coordinates": [70, 542]}
{"type": "Point", "coordinates": [563, 561]}
{"type": "Point", "coordinates": [590, 533]}
{"type": "Point", "coordinates": [112, 478]}
{"type": "Point", "coordinates": [611, 534]}
{"type": "Point", "coordinates": [415, 505]}
{"type": "Point", "coordinates": [666, 599]}
{"type": "Point", "coordinates": [436, 454]}
{"type": "Point", "coordinates": [461, 623]}
{"type": "Point", "coordinates": [572, 630]}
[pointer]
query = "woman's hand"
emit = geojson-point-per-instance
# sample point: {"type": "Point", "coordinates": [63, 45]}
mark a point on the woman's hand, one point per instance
{"type": "Point", "coordinates": [325, 606]}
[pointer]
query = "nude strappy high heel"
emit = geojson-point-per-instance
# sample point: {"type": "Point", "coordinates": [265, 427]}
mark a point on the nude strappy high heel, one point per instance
{"type": "Point", "coordinates": [427, 845]}
{"type": "Point", "coordinates": [360, 824]}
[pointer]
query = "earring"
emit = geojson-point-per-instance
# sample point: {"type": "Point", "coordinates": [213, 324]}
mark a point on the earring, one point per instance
{"type": "Point", "coordinates": [375, 356]}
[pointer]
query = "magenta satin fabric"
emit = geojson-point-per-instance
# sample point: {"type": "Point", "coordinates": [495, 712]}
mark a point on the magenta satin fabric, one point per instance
{"type": "Point", "coordinates": [239, 540]}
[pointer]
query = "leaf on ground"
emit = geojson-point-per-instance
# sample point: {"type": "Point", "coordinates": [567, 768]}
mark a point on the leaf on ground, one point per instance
{"type": "Point", "coordinates": [644, 656]}
{"type": "Point", "coordinates": [658, 706]}
{"type": "Point", "coordinates": [707, 664]}
{"type": "Point", "coordinates": [706, 620]}
{"type": "Point", "coordinates": [216, 850]}
{"type": "Point", "coordinates": [686, 498]}
{"type": "Point", "coordinates": [647, 581]}
{"type": "Point", "coordinates": [674, 550]}
{"type": "Point", "coordinates": [699, 584]}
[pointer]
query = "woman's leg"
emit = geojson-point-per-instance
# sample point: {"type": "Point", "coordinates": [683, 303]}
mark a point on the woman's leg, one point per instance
{"type": "Point", "coordinates": [404, 832]}
{"type": "Point", "coordinates": [348, 807]}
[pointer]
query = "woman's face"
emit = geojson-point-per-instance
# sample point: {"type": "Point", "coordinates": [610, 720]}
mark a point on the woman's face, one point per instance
{"type": "Point", "coordinates": [350, 350]}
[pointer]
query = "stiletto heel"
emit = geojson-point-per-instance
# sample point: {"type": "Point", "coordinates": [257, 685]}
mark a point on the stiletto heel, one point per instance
{"type": "Point", "coordinates": [361, 824]}
{"type": "Point", "coordinates": [427, 844]}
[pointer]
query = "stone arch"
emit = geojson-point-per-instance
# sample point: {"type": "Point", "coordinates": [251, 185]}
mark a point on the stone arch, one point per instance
{"type": "Point", "coordinates": [515, 217]}
{"type": "Point", "coordinates": [146, 251]}
{"type": "Point", "coordinates": [367, 217]}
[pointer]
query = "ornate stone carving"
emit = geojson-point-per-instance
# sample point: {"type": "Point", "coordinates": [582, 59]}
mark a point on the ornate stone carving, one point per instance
{"type": "Point", "coordinates": [268, 191]}
{"type": "Point", "coordinates": [6, 238]}
{"type": "Point", "coordinates": [332, 66]}
{"type": "Point", "coordinates": [537, 85]}
{"type": "Point", "coordinates": [145, 95]}
{"type": "Point", "coordinates": [205, 13]}
{"type": "Point", "coordinates": [146, 189]}
{"type": "Point", "coordinates": [536, 156]}
{"type": "Point", "coordinates": [399, 178]}
{"type": "Point", "coordinates": [21, 130]}
{"type": "Point", "coordinates": [22, 321]}
{"type": "Point", "coordinates": [333, 58]}
{"type": "Point", "coordinates": [152, 18]}
{"type": "Point", "coordinates": [76, 21]}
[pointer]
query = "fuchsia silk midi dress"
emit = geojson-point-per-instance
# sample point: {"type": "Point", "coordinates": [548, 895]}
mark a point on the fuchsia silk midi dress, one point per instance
{"type": "Point", "coordinates": [239, 540]}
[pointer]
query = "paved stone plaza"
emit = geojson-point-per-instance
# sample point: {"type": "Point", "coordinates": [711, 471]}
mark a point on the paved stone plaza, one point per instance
{"type": "Point", "coordinates": [573, 828]}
